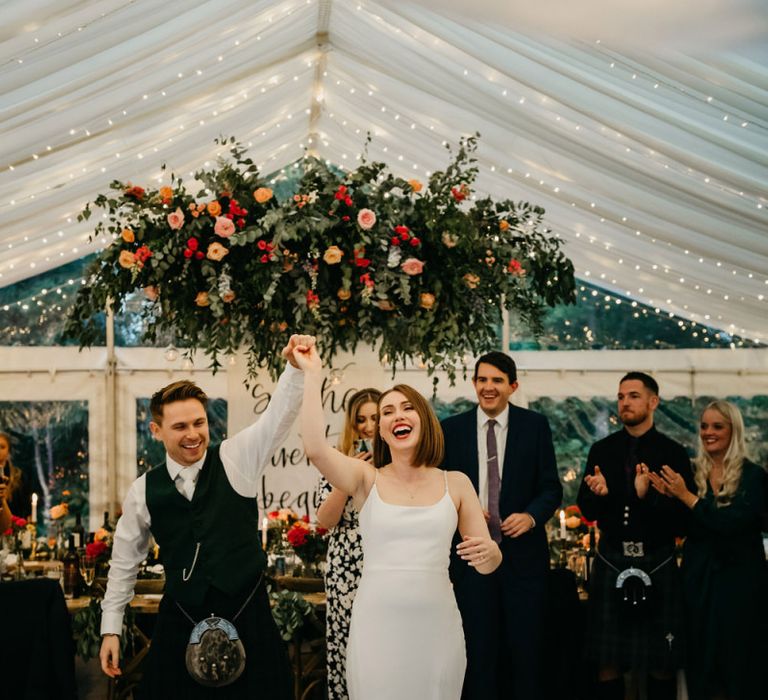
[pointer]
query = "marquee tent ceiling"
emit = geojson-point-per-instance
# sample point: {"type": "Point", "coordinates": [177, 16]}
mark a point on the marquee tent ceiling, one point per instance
{"type": "Point", "coordinates": [650, 159]}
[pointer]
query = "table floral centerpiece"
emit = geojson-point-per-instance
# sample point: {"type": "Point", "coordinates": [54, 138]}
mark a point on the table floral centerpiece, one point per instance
{"type": "Point", "coordinates": [310, 542]}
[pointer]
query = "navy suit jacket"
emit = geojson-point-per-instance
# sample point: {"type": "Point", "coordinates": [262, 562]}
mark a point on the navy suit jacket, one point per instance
{"type": "Point", "coordinates": [529, 482]}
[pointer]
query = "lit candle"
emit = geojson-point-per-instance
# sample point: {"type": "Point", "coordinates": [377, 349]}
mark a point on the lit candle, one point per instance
{"type": "Point", "coordinates": [264, 526]}
{"type": "Point", "coordinates": [562, 524]}
{"type": "Point", "coordinates": [33, 518]}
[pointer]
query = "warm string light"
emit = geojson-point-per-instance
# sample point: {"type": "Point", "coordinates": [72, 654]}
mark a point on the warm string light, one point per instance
{"type": "Point", "coordinates": [536, 106]}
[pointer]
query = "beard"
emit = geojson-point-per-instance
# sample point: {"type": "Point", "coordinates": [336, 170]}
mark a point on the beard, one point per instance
{"type": "Point", "coordinates": [633, 419]}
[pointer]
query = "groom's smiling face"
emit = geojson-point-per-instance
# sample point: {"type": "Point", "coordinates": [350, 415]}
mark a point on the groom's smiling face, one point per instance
{"type": "Point", "coordinates": [183, 430]}
{"type": "Point", "coordinates": [493, 389]}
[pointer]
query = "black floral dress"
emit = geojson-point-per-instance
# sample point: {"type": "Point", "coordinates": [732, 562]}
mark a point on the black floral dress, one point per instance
{"type": "Point", "coordinates": [344, 563]}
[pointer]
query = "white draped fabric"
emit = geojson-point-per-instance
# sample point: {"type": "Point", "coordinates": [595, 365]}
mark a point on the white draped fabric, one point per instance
{"type": "Point", "coordinates": [651, 159]}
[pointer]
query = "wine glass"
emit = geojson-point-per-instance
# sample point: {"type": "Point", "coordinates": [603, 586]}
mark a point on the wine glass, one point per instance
{"type": "Point", "coordinates": [87, 566]}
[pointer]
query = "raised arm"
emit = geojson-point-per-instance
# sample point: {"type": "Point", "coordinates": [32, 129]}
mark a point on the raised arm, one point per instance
{"type": "Point", "coordinates": [345, 473]}
{"type": "Point", "coordinates": [246, 454]}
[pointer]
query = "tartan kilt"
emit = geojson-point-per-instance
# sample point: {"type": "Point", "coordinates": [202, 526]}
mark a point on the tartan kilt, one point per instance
{"type": "Point", "coordinates": [267, 670]}
{"type": "Point", "coordinates": [646, 637]}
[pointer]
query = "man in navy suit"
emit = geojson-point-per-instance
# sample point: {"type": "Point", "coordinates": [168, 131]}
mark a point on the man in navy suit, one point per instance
{"type": "Point", "coordinates": [503, 613]}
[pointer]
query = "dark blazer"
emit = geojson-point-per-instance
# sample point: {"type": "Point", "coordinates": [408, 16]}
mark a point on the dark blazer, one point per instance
{"type": "Point", "coordinates": [529, 481]}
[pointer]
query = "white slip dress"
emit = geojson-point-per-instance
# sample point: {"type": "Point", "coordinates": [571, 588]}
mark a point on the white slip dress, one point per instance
{"type": "Point", "coordinates": [406, 641]}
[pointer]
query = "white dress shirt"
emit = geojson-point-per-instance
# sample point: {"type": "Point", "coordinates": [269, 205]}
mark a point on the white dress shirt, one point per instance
{"type": "Point", "coordinates": [244, 456]}
{"type": "Point", "coordinates": [502, 421]}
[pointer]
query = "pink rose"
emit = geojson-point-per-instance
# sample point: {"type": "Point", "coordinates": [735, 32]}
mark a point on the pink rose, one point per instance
{"type": "Point", "coordinates": [176, 219]}
{"type": "Point", "coordinates": [366, 219]}
{"type": "Point", "coordinates": [412, 266]}
{"type": "Point", "coordinates": [224, 227]}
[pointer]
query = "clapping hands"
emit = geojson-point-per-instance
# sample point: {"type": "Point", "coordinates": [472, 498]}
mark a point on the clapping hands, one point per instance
{"type": "Point", "coordinates": [596, 482]}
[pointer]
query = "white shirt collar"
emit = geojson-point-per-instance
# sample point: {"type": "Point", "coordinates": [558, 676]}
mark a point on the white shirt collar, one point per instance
{"type": "Point", "coordinates": [174, 468]}
{"type": "Point", "coordinates": [502, 419]}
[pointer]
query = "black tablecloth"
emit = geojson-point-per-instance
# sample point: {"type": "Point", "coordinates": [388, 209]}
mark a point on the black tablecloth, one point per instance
{"type": "Point", "coordinates": [37, 661]}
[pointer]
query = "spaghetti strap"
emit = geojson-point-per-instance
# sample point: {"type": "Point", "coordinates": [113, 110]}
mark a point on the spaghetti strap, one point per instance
{"type": "Point", "coordinates": [445, 476]}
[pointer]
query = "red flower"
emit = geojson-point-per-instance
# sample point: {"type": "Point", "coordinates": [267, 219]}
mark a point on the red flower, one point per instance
{"type": "Point", "coordinates": [136, 192]}
{"type": "Point", "coordinates": [188, 253]}
{"type": "Point", "coordinates": [460, 193]}
{"type": "Point", "coordinates": [313, 301]}
{"type": "Point", "coordinates": [415, 241]}
{"type": "Point", "coordinates": [273, 514]}
{"type": "Point", "coordinates": [96, 549]}
{"type": "Point", "coordinates": [297, 536]}
{"type": "Point", "coordinates": [321, 530]}
{"type": "Point", "coordinates": [401, 230]}
{"type": "Point", "coordinates": [199, 255]}
{"type": "Point", "coordinates": [348, 201]}
{"type": "Point", "coordinates": [264, 258]}
{"type": "Point", "coordinates": [362, 262]}
{"type": "Point", "coordinates": [305, 518]}
{"type": "Point", "coordinates": [192, 243]}
{"type": "Point", "coordinates": [345, 218]}
{"type": "Point", "coordinates": [142, 255]}
{"type": "Point", "coordinates": [241, 222]}
{"type": "Point", "coordinates": [366, 280]}
{"type": "Point", "coordinates": [395, 240]}
{"type": "Point", "coordinates": [261, 245]}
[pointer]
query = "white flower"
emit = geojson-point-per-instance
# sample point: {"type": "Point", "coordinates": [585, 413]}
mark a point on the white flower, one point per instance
{"type": "Point", "coordinates": [393, 259]}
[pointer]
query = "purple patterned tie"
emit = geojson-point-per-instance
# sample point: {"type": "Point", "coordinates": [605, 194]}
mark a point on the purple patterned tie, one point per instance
{"type": "Point", "coordinates": [494, 483]}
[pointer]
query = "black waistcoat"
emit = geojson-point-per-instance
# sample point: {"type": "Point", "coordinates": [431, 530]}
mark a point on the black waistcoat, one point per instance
{"type": "Point", "coordinates": [214, 537]}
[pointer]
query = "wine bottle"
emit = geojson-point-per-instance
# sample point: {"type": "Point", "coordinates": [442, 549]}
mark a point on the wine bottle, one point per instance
{"type": "Point", "coordinates": [107, 525]}
{"type": "Point", "coordinates": [78, 531]}
{"type": "Point", "coordinates": [71, 571]}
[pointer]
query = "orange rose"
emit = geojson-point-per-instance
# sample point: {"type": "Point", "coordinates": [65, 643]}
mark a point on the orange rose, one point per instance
{"type": "Point", "coordinates": [59, 511]}
{"type": "Point", "coordinates": [216, 251]}
{"type": "Point", "coordinates": [344, 294]}
{"type": "Point", "coordinates": [202, 299]}
{"type": "Point", "coordinates": [426, 300]}
{"type": "Point", "coordinates": [333, 255]}
{"type": "Point", "coordinates": [262, 195]}
{"type": "Point", "coordinates": [126, 259]}
{"type": "Point", "coordinates": [228, 296]}
{"type": "Point", "coordinates": [166, 193]}
{"type": "Point", "coordinates": [416, 186]}
{"type": "Point", "coordinates": [503, 225]}
{"type": "Point", "coordinates": [471, 280]}
{"type": "Point", "coordinates": [128, 235]}
{"type": "Point", "coordinates": [214, 208]}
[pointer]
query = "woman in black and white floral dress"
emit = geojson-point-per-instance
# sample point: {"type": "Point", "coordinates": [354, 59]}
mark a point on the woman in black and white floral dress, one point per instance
{"type": "Point", "coordinates": [345, 554]}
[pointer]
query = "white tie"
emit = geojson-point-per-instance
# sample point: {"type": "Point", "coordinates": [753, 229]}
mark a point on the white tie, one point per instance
{"type": "Point", "coordinates": [186, 485]}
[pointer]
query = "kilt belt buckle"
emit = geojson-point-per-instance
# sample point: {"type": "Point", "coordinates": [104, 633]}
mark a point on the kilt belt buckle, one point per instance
{"type": "Point", "coordinates": [632, 549]}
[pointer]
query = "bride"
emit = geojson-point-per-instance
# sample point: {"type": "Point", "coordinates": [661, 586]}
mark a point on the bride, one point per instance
{"type": "Point", "coordinates": [406, 639]}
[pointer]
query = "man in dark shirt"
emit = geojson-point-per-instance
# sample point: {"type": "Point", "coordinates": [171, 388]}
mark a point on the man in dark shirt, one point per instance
{"type": "Point", "coordinates": [634, 607]}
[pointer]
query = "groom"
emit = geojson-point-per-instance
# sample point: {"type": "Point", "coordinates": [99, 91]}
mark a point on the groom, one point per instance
{"type": "Point", "coordinates": [507, 453]}
{"type": "Point", "coordinates": [200, 506]}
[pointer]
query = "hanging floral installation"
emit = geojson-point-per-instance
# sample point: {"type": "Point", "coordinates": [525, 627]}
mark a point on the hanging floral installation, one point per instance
{"type": "Point", "coordinates": [420, 270]}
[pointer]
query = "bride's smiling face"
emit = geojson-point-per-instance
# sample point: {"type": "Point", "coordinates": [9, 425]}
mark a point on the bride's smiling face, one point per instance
{"type": "Point", "coordinates": [399, 422]}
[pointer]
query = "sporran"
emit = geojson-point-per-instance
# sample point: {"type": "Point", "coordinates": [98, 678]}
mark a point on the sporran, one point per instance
{"type": "Point", "coordinates": [215, 655]}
